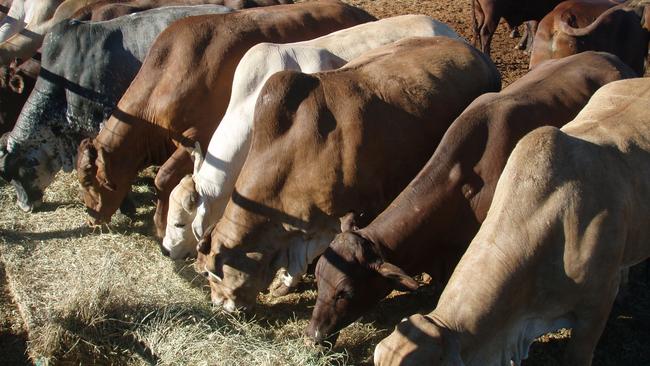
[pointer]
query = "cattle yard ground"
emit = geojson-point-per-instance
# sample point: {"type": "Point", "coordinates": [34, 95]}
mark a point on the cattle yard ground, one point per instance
{"type": "Point", "coordinates": [70, 294]}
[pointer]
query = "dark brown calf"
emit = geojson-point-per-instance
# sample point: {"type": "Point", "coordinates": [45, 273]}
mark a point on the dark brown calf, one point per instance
{"type": "Point", "coordinates": [429, 225]}
{"type": "Point", "coordinates": [619, 29]}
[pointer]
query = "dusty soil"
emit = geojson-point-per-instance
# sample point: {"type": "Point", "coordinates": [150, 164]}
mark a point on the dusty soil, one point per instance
{"type": "Point", "coordinates": [13, 337]}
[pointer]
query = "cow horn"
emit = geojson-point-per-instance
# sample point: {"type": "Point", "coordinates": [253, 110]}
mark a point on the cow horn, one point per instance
{"type": "Point", "coordinates": [213, 275]}
{"type": "Point", "coordinates": [400, 279]}
{"type": "Point", "coordinates": [581, 32]}
{"type": "Point", "coordinates": [101, 156]}
{"type": "Point", "coordinates": [86, 168]}
{"type": "Point", "coordinates": [197, 156]}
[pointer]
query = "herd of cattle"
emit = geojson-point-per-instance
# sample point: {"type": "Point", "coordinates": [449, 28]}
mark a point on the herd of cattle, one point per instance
{"type": "Point", "coordinates": [385, 148]}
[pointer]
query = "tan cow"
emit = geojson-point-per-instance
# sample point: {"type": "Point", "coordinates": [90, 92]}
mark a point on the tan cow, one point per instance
{"type": "Point", "coordinates": [181, 93]}
{"type": "Point", "coordinates": [569, 212]}
{"type": "Point", "coordinates": [331, 142]}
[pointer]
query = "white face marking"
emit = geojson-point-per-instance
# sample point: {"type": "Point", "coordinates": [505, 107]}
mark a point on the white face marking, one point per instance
{"type": "Point", "coordinates": [179, 239]}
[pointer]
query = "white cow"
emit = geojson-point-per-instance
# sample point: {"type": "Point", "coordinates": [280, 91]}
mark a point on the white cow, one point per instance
{"type": "Point", "coordinates": [214, 178]}
{"type": "Point", "coordinates": [570, 210]}
{"type": "Point", "coordinates": [23, 29]}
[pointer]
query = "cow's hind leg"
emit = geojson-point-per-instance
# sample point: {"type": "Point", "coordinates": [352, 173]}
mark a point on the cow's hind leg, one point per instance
{"type": "Point", "coordinates": [168, 177]}
{"type": "Point", "coordinates": [591, 319]}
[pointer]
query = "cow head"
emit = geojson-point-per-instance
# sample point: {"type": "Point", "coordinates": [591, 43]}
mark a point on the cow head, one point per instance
{"type": "Point", "coordinates": [29, 169]}
{"type": "Point", "coordinates": [231, 271]}
{"type": "Point", "coordinates": [419, 340]}
{"type": "Point", "coordinates": [351, 277]}
{"type": "Point", "coordinates": [101, 195]}
{"type": "Point", "coordinates": [180, 241]}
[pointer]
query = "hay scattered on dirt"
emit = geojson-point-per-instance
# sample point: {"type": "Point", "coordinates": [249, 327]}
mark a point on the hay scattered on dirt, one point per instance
{"type": "Point", "coordinates": [99, 296]}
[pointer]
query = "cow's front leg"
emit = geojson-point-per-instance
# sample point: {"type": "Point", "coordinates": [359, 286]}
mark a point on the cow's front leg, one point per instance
{"type": "Point", "coordinates": [169, 175]}
{"type": "Point", "coordinates": [590, 322]}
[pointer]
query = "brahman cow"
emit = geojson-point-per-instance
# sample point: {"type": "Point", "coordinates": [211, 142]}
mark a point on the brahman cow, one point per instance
{"type": "Point", "coordinates": [327, 143]}
{"type": "Point", "coordinates": [181, 94]}
{"type": "Point", "coordinates": [213, 183]}
{"type": "Point", "coordinates": [16, 83]}
{"type": "Point", "coordinates": [486, 15]}
{"type": "Point", "coordinates": [23, 29]}
{"type": "Point", "coordinates": [623, 30]}
{"type": "Point", "coordinates": [569, 212]}
{"type": "Point", "coordinates": [429, 225]}
{"type": "Point", "coordinates": [85, 69]}
{"type": "Point", "coordinates": [109, 9]}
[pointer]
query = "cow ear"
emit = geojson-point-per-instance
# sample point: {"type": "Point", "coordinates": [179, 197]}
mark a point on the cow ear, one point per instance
{"type": "Point", "coordinates": [101, 157]}
{"type": "Point", "coordinates": [348, 222]}
{"type": "Point", "coordinates": [645, 21]}
{"type": "Point", "coordinates": [190, 201]}
{"type": "Point", "coordinates": [197, 156]}
{"type": "Point", "coordinates": [86, 168]}
{"type": "Point", "coordinates": [205, 243]}
{"type": "Point", "coordinates": [400, 279]}
{"type": "Point", "coordinates": [17, 83]}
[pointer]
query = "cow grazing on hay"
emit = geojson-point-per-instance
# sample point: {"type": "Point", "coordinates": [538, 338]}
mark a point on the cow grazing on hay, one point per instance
{"type": "Point", "coordinates": [429, 225]}
{"type": "Point", "coordinates": [330, 142]}
{"type": "Point", "coordinates": [198, 201]}
{"type": "Point", "coordinates": [165, 109]}
{"type": "Point", "coordinates": [569, 212]}
{"type": "Point", "coordinates": [88, 67]}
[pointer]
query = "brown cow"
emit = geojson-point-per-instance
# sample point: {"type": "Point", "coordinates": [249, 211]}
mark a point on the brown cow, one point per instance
{"type": "Point", "coordinates": [181, 93]}
{"type": "Point", "coordinates": [570, 211]}
{"type": "Point", "coordinates": [486, 15]}
{"type": "Point", "coordinates": [16, 83]}
{"type": "Point", "coordinates": [429, 225]}
{"type": "Point", "coordinates": [622, 30]}
{"type": "Point", "coordinates": [326, 143]}
{"type": "Point", "coordinates": [109, 9]}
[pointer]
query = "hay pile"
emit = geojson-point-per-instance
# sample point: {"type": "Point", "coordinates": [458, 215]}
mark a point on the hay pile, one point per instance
{"type": "Point", "coordinates": [110, 297]}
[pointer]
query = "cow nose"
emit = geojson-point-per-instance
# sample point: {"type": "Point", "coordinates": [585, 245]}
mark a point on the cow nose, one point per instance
{"type": "Point", "coordinates": [315, 334]}
{"type": "Point", "coordinates": [164, 250]}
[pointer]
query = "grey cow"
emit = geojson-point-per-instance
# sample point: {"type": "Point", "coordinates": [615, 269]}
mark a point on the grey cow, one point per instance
{"type": "Point", "coordinates": [86, 67]}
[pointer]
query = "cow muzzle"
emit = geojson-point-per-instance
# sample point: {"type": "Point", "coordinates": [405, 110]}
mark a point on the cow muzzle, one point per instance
{"type": "Point", "coordinates": [27, 201]}
{"type": "Point", "coordinates": [321, 338]}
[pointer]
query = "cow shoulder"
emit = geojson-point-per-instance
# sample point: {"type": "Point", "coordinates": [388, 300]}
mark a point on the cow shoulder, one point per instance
{"type": "Point", "coordinates": [285, 96]}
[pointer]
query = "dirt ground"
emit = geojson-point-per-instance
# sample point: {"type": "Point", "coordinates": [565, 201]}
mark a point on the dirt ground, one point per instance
{"type": "Point", "coordinates": [626, 340]}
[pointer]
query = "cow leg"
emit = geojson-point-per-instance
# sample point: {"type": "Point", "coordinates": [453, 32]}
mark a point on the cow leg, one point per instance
{"type": "Point", "coordinates": [526, 42]}
{"type": "Point", "coordinates": [489, 26]}
{"type": "Point", "coordinates": [531, 29]}
{"type": "Point", "coordinates": [168, 177]}
{"type": "Point", "coordinates": [514, 32]}
{"type": "Point", "coordinates": [524, 39]}
{"type": "Point", "coordinates": [590, 322]}
{"type": "Point", "coordinates": [477, 20]}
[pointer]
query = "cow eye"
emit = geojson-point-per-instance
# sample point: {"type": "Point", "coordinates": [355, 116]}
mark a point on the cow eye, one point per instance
{"type": "Point", "coordinates": [179, 225]}
{"type": "Point", "coordinates": [343, 295]}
